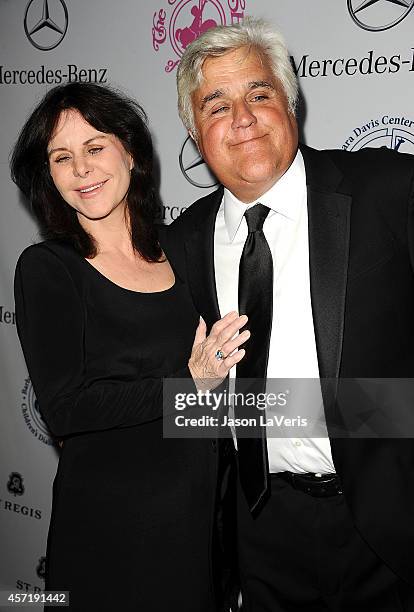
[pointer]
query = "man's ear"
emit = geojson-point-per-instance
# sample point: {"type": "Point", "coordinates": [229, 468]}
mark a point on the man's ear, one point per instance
{"type": "Point", "coordinates": [193, 137]}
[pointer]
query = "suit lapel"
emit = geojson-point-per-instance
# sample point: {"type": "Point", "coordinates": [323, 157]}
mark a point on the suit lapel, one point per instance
{"type": "Point", "coordinates": [328, 260]}
{"type": "Point", "coordinates": [329, 214]}
{"type": "Point", "coordinates": [199, 247]}
{"type": "Point", "coordinates": [329, 210]}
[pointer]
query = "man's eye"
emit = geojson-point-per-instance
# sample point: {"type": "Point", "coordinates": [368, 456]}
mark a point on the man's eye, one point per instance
{"type": "Point", "coordinates": [259, 97]}
{"type": "Point", "coordinates": [95, 150]}
{"type": "Point", "coordinates": [219, 110]}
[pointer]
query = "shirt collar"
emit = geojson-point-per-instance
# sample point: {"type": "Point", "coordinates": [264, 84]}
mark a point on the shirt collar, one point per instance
{"type": "Point", "coordinates": [284, 197]}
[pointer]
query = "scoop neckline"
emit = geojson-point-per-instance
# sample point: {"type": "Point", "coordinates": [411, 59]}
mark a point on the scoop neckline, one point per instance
{"type": "Point", "coordinates": [111, 282]}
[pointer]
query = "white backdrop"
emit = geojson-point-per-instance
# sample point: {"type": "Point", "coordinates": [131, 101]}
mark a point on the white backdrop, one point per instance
{"type": "Point", "coordinates": [356, 74]}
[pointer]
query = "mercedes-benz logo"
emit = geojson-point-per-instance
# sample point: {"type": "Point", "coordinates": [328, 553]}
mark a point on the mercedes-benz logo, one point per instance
{"type": "Point", "coordinates": [193, 166]}
{"type": "Point", "coordinates": [374, 17]}
{"type": "Point", "coordinates": [46, 30]}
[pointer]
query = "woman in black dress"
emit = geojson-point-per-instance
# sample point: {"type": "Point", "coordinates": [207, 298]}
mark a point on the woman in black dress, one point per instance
{"type": "Point", "coordinates": [102, 318]}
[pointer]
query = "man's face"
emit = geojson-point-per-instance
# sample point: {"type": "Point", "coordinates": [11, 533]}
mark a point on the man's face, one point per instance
{"type": "Point", "coordinates": [245, 132]}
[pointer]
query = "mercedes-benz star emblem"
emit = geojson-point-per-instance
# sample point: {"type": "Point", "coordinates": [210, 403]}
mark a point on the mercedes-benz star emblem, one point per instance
{"type": "Point", "coordinates": [46, 30]}
{"type": "Point", "coordinates": [378, 15]}
{"type": "Point", "coordinates": [193, 166]}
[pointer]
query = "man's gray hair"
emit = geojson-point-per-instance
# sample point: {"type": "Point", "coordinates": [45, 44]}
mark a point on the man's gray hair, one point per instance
{"type": "Point", "coordinates": [253, 33]}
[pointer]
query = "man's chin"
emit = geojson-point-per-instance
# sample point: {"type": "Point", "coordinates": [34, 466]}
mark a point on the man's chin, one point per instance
{"type": "Point", "coordinates": [251, 187]}
{"type": "Point", "coordinates": [259, 176]}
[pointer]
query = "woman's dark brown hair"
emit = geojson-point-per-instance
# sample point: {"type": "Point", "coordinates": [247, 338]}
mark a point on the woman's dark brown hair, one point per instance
{"type": "Point", "coordinates": [110, 112]}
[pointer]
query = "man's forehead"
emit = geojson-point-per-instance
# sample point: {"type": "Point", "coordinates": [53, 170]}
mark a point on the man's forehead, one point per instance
{"type": "Point", "coordinates": [244, 64]}
{"type": "Point", "coordinates": [242, 58]}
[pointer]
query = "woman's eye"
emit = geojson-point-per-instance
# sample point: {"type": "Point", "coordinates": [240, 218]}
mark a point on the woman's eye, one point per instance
{"type": "Point", "coordinates": [61, 160]}
{"type": "Point", "coordinates": [95, 150]}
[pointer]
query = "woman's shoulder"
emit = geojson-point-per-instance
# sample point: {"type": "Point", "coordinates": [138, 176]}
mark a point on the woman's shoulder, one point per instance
{"type": "Point", "coordinates": [49, 251]}
{"type": "Point", "coordinates": [169, 241]}
{"type": "Point", "coordinates": [173, 250]}
{"type": "Point", "coordinates": [162, 230]}
{"type": "Point", "coordinates": [49, 258]}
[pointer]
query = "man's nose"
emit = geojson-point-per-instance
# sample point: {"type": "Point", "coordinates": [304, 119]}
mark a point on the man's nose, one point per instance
{"type": "Point", "coordinates": [243, 117]}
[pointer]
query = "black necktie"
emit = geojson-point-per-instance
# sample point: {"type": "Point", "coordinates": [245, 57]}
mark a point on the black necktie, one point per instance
{"type": "Point", "coordinates": [255, 300]}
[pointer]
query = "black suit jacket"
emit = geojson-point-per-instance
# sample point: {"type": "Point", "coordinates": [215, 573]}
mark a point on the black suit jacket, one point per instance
{"type": "Point", "coordinates": [361, 248]}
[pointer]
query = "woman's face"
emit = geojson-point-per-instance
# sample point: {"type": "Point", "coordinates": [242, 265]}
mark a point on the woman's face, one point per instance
{"type": "Point", "coordinates": [90, 169]}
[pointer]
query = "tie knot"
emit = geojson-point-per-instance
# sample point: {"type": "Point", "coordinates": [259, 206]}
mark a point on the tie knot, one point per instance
{"type": "Point", "coordinates": [255, 217]}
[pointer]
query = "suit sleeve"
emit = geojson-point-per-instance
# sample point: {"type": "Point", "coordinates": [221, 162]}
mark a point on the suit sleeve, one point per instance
{"type": "Point", "coordinates": [50, 321]}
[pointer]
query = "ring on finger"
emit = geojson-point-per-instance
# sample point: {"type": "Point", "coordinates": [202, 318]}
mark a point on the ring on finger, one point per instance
{"type": "Point", "coordinates": [219, 355]}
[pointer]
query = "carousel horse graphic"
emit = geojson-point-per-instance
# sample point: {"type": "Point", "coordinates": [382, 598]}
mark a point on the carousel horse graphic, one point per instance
{"type": "Point", "coordinates": [186, 35]}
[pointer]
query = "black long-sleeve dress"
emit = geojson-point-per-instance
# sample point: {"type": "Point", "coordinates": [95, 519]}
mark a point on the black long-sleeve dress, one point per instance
{"type": "Point", "coordinates": [132, 514]}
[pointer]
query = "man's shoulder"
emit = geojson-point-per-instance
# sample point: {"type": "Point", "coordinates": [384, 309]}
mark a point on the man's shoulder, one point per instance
{"type": "Point", "coordinates": [197, 211]}
{"type": "Point", "coordinates": [369, 171]}
{"type": "Point", "coordinates": [368, 158]}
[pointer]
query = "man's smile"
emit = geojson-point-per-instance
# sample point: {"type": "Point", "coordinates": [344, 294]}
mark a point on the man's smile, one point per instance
{"type": "Point", "coordinates": [247, 140]}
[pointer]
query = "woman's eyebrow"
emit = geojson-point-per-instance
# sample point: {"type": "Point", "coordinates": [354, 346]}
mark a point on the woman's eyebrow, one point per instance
{"type": "Point", "coordinates": [83, 144]}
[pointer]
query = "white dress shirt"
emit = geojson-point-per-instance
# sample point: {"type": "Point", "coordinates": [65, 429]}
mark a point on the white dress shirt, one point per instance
{"type": "Point", "coordinates": [292, 351]}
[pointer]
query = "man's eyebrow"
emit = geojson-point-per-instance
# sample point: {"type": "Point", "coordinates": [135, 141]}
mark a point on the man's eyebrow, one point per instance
{"type": "Point", "coordinates": [84, 143]}
{"type": "Point", "coordinates": [218, 93]}
{"type": "Point", "coordinates": [255, 84]}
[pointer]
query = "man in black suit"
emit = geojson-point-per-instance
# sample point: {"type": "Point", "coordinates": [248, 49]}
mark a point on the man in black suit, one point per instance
{"type": "Point", "coordinates": [316, 247]}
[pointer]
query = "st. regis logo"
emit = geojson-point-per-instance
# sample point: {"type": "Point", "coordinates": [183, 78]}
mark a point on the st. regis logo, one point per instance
{"type": "Point", "coordinates": [187, 20]}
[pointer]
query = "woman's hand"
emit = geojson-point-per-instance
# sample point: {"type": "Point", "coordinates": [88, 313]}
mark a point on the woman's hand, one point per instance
{"type": "Point", "coordinates": [213, 356]}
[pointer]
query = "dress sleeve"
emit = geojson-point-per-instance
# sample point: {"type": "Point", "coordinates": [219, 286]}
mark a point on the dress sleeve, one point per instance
{"type": "Point", "coordinates": [51, 327]}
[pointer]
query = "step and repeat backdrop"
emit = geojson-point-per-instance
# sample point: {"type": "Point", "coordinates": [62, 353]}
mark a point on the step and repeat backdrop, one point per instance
{"type": "Point", "coordinates": [355, 63]}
